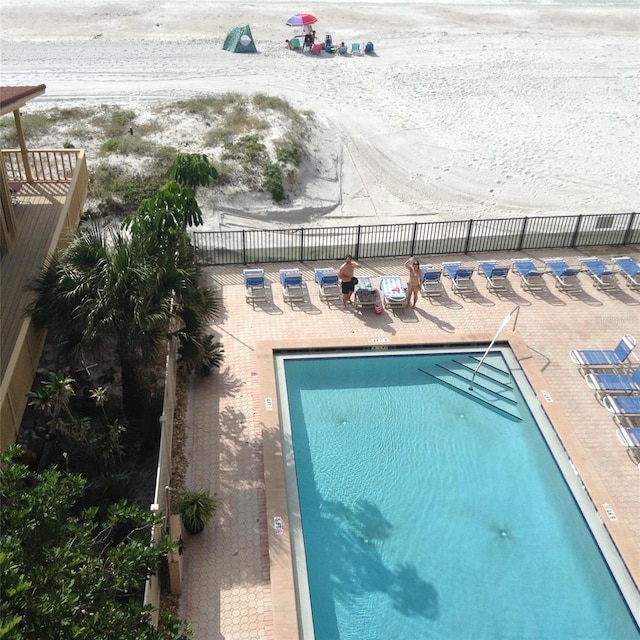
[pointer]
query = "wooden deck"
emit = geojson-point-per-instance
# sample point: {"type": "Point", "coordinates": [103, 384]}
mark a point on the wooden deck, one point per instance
{"type": "Point", "coordinates": [37, 213]}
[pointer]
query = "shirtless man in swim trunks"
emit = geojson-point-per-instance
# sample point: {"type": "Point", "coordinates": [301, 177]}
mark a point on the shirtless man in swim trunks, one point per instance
{"type": "Point", "coordinates": [415, 279]}
{"type": "Point", "coordinates": [346, 277]}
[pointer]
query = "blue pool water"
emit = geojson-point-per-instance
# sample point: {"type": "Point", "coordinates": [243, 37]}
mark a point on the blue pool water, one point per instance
{"type": "Point", "coordinates": [426, 514]}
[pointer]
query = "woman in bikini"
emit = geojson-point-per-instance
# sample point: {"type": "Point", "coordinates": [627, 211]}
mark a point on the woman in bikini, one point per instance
{"type": "Point", "coordinates": [415, 279]}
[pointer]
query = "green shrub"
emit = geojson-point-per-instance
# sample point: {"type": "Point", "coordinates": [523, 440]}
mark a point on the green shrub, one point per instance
{"type": "Point", "coordinates": [247, 150]}
{"type": "Point", "coordinates": [122, 117]}
{"type": "Point", "coordinates": [67, 145]}
{"type": "Point", "coordinates": [110, 146]}
{"type": "Point", "coordinates": [273, 181]}
{"type": "Point", "coordinates": [288, 153]}
{"type": "Point", "coordinates": [122, 192]}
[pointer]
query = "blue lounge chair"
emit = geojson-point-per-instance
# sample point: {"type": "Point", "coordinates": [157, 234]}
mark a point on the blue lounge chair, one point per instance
{"type": "Point", "coordinates": [623, 406]}
{"type": "Point", "coordinates": [394, 293]}
{"type": "Point", "coordinates": [292, 285]}
{"type": "Point", "coordinates": [356, 49]}
{"type": "Point", "coordinates": [614, 382]}
{"type": "Point", "coordinates": [460, 276]}
{"type": "Point", "coordinates": [630, 269]}
{"type": "Point", "coordinates": [629, 437]}
{"type": "Point", "coordinates": [328, 284]}
{"type": "Point", "coordinates": [603, 277]}
{"type": "Point", "coordinates": [531, 278]}
{"type": "Point", "coordinates": [566, 277]}
{"type": "Point", "coordinates": [495, 274]}
{"type": "Point", "coordinates": [603, 358]}
{"type": "Point", "coordinates": [255, 286]}
{"type": "Point", "coordinates": [431, 281]}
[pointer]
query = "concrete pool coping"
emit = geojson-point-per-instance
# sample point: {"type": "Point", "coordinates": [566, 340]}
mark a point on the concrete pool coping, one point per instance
{"type": "Point", "coordinates": [284, 600]}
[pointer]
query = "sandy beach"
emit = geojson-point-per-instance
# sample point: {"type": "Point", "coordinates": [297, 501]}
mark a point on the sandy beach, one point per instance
{"type": "Point", "coordinates": [468, 111]}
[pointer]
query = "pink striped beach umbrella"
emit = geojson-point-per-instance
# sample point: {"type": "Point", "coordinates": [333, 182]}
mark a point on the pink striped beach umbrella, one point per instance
{"type": "Point", "coordinates": [301, 20]}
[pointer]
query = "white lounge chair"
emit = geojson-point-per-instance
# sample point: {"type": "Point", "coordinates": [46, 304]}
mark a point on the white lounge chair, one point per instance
{"type": "Point", "coordinates": [394, 292]}
{"type": "Point", "coordinates": [603, 277]}
{"type": "Point", "coordinates": [431, 281]}
{"type": "Point", "coordinates": [531, 278]}
{"type": "Point", "coordinates": [460, 277]}
{"type": "Point", "coordinates": [495, 274]}
{"type": "Point", "coordinates": [293, 288]}
{"type": "Point", "coordinates": [604, 358]}
{"type": "Point", "coordinates": [328, 284]}
{"type": "Point", "coordinates": [566, 277]}
{"type": "Point", "coordinates": [629, 268]}
{"type": "Point", "coordinates": [255, 286]}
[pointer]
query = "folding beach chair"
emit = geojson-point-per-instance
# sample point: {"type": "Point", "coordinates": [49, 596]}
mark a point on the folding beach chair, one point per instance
{"type": "Point", "coordinates": [293, 287]}
{"type": "Point", "coordinates": [460, 277]}
{"type": "Point", "coordinates": [328, 284]}
{"type": "Point", "coordinates": [614, 383]}
{"type": "Point", "coordinates": [603, 277]}
{"type": "Point", "coordinates": [356, 49]}
{"type": "Point", "coordinates": [255, 287]}
{"type": "Point", "coordinates": [629, 268]}
{"type": "Point", "coordinates": [566, 277]}
{"type": "Point", "coordinates": [531, 278]}
{"type": "Point", "coordinates": [431, 281]}
{"type": "Point", "coordinates": [495, 274]}
{"type": "Point", "coordinates": [629, 437]}
{"type": "Point", "coordinates": [604, 358]}
{"type": "Point", "coordinates": [623, 406]}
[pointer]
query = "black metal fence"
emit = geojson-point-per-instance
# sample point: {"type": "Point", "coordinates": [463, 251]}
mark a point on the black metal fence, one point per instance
{"type": "Point", "coordinates": [418, 238]}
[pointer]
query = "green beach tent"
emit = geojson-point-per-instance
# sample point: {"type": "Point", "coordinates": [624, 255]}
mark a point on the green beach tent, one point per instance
{"type": "Point", "coordinates": [240, 40]}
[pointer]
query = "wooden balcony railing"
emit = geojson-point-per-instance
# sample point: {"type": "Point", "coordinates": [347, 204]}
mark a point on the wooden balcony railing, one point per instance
{"type": "Point", "coordinates": [42, 165]}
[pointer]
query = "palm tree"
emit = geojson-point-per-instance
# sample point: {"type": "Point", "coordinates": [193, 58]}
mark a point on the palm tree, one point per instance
{"type": "Point", "coordinates": [108, 289]}
{"type": "Point", "coordinates": [128, 286]}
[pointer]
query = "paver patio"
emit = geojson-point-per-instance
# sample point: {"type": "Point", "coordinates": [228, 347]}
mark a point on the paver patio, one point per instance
{"type": "Point", "coordinates": [227, 592]}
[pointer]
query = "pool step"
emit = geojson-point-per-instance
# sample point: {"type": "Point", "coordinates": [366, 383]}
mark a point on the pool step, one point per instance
{"type": "Point", "coordinates": [490, 386]}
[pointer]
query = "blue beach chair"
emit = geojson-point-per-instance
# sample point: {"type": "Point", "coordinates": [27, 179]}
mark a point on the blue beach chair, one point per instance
{"type": "Point", "coordinates": [603, 277]}
{"type": "Point", "coordinates": [328, 284]}
{"type": "Point", "coordinates": [255, 286]}
{"type": "Point", "coordinates": [566, 277]}
{"type": "Point", "coordinates": [629, 268]}
{"type": "Point", "coordinates": [613, 383]}
{"type": "Point", "coordinates": [629, 437]}
{"type": "Point", "coordinates": [292, 285]}
{"type": "Point", "coordinates": [623, 406]}
{"type": "Point", "coordinates": [431, 281]}
{"type": "Point", "coordinates": [495, 274]}
{"type": "Point", "coordinates": [604, 358]}
{"type": "Point", "coordinates": [531, 278]}
{"type": "Point", "coordinates": [460, 277]}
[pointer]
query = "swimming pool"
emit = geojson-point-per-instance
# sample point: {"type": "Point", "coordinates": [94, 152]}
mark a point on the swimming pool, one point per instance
{"type": "Point", "coordinates": [425, 510]}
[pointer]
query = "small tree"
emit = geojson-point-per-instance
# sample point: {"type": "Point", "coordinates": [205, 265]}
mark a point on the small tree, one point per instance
{"type": "Point", "coordinates": [63, 570]}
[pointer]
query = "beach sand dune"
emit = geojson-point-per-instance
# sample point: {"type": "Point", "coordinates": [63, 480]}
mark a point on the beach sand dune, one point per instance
{"type": "Point", "coordinates": [465, 111]}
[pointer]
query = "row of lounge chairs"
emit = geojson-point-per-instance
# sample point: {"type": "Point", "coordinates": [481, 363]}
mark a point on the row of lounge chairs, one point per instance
{"type": "Point", "coordinates": [614, 375]}
{"type": "Point", "coordinates": [531, 276]}
{"type": "Point", "coordinates": [604, 277]}
{"type": "Point", "coordinates": [461, 277]}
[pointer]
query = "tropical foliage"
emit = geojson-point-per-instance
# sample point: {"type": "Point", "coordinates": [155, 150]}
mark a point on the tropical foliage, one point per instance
{"type": "Point", "coordinates": [64, 573]}
{"type": "Point", "coordinates": [128, 288]}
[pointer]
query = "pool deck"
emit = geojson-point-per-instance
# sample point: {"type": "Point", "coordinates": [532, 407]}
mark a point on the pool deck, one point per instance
{"type": "Point", "coordinates": [237, 579]}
